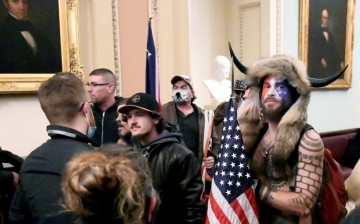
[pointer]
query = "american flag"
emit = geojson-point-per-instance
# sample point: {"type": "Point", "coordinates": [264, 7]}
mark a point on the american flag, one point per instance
{"type": "Point", "coordinates": [232, 196]}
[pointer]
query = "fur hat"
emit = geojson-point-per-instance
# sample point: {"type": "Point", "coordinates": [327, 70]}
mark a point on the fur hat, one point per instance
{"type": "Point", "coordinates": [293, 121]}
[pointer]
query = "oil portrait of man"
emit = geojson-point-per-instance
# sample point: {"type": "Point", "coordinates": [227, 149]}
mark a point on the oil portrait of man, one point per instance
{"type": "Point", "coordinates": [327, 36]}
{"type": "Point", "coordinates": [30, 36]}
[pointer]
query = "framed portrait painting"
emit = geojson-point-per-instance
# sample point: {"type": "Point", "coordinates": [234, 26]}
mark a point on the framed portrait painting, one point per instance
{"type": "Point", "coordinates": [38, 39]}
{"type": "Point", "coordinates": [326, 39]}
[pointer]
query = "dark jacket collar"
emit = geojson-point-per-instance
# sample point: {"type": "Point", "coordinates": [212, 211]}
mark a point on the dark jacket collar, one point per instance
{"type": "Point", "coordinates": [57, 131]}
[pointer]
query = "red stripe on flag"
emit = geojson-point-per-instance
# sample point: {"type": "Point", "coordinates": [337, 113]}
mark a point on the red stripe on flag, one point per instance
{"type": "Point", "coordinates": [250, 194]}
{"type": "Point", "coordinates": [218, 212]}
{"type": "Point", "coordinates": [239, 211]}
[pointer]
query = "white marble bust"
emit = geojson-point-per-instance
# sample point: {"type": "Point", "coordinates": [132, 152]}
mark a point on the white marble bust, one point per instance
{"type": "Point", "coordinates": [220, 85]}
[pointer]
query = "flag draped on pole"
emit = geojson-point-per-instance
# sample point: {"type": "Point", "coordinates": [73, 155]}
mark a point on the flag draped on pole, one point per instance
{"type": "Point", "coordinates": [152, 79]}
{"type": "Point", "coordinates": [232, 196]}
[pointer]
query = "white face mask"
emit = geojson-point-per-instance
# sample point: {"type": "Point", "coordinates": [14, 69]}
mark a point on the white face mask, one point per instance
{"type": "Point", "coordinates": [180, 95]}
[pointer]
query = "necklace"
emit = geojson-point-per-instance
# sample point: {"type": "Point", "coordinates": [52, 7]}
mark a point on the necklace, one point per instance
{"type": "Point", "coordinates": [268, 145]}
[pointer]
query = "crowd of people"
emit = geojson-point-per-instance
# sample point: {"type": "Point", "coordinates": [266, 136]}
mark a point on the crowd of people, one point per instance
{"type": "Point", "coordinates": [111, 159]}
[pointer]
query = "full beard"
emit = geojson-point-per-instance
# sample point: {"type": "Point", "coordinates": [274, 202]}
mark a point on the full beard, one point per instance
{"type": "Point", "coordinates": [274, 114]}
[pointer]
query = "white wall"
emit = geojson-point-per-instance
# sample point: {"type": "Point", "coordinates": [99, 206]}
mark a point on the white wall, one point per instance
{"type": "Point", "coordinates": [23, 124]}
{"type": "Point", "coordinates": [208, 39]}
{"type": "Point", "coordinates": [329, 109]}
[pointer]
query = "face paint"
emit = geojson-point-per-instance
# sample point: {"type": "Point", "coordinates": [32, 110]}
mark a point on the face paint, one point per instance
{"type": "Point", "coordinates": [282, 91]}
{"type": "Point", "coordinates": [276, 89]}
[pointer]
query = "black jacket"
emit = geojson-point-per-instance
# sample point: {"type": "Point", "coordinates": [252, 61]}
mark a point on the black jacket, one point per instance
{"type": "Point", "coordinates": [38, 196]}
{"type": "Point", "coordinates": [176, 177]}
{"type": "Point", "coordinates": [7, 187]}
{"type": "Point", "coordinates": [106, 125]}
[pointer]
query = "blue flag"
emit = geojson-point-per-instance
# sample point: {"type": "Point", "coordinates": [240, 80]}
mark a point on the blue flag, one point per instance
{"type": "Point", "coordinates": [151, 79]}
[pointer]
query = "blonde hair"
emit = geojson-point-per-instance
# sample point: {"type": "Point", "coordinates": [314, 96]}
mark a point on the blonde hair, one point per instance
{"type": "Point", "coordinates": [61, 97]}
{"type": "Point", "coordinates": [107, 186]}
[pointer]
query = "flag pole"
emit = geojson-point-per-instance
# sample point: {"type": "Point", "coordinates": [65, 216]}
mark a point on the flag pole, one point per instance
{"type": "Point", "coordinates": [232, 74]}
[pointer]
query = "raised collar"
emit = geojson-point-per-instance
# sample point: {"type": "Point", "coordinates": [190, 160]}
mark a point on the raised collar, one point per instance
{"type": "Point", "coordinates": [57, 131]}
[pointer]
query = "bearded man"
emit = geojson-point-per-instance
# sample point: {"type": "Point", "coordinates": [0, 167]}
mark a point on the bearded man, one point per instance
{"type": "Point", "coordinates": [287, 162]}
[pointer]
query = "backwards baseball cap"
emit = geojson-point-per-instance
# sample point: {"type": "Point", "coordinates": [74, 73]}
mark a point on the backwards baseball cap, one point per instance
{"type": "Point", "coordinates": [184, 78]}
{"type": "Point", "coordinates": [142, 101]}
{"type": "Point", "coordinates": [240, 85]}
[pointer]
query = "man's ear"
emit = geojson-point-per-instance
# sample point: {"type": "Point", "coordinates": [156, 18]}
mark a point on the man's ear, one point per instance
{"type": "Point", "coordinates": [152, 206]}
{"type": "Point", "coordinates": [193, 93]}
{"type": "Point", "coordinates": [112, 87]}
{"type": "Point", "coordinates": [6, 4]}
{"type": "Point", "coordinates": [156, 120]}
{"type": "Point", "coordinates": [85, 108]}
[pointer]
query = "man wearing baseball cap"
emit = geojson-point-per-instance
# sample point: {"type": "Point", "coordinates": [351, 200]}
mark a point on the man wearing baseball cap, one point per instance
{"type": "Point", "coordinates": [240, 88]}
{"type": "Point", "coordinates": [174, 168]}
{"type": "Point", "coordinates": [189, 117]}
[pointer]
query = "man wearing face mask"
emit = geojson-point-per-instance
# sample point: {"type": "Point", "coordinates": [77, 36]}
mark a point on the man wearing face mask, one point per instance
{"type": "Point", "coordinates": [64, 102]}
{"type": "Point", "coordinates": [190, 118]}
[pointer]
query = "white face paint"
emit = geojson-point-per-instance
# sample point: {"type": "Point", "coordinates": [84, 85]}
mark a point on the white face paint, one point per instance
{"type": "Point", "coordinates": [180, 95]}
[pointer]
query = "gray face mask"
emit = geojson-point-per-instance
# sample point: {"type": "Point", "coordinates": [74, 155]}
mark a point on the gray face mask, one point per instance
{"type": "Point", "coordinates": [180, 95]}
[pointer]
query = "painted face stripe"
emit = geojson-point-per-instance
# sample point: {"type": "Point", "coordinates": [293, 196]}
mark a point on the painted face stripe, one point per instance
{"type": "Point", "coordinates": [282, 90]}
{"type": "Point", "coordinates": [278, 88]}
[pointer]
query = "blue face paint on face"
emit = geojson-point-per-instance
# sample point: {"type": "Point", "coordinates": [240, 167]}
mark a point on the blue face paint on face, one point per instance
{"type": "Point", "coordinates": [282, 90]}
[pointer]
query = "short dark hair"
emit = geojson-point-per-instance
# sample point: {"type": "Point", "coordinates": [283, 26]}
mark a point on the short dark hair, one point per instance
{"type": "Point", "coordinates": [61, 97]}
{"type": "Point", "coordinates": [104, 72]}
{"type": "Point", "coordinates": [160, 126]}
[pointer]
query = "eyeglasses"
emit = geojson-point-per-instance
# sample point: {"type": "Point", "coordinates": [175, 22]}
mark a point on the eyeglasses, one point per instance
{"type": "Point", "coordinates": [96, 84]}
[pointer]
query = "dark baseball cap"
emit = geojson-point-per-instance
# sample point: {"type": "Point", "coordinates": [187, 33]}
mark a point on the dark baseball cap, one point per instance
{"type": "Point", "coordinates": [184, 78]}
{"type": "Point", "coordinates": [241, 85]}
{"type": "Point", "coordinates": [142, 101]}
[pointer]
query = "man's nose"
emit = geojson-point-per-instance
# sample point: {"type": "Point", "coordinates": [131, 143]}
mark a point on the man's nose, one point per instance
{"type": "Point", "coordinates": [131, 120]}
{"type": "Point", "coordinates": [271, 92]}
{"type": "Point", "coordinates": [22, 5]}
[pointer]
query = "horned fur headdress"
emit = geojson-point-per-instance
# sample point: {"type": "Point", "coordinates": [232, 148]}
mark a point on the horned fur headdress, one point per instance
{"type": "Point", "coordinates": [294, 119]}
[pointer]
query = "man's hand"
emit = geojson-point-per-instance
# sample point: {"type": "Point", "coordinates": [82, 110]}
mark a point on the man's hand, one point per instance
{"type": "Point", "coordinates": [209, 162]}
{"type": "Point", "coordinates": [16, 179]}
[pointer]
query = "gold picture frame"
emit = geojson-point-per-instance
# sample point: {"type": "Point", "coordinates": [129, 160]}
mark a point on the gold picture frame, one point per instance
{"type": "Point", "coordinates": [340, 30]}
{"type": "Point", "coordinates": [16, 83]}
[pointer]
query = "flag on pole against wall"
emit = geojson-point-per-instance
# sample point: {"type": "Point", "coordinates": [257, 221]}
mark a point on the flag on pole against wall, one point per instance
{"type": "Point", "coordinates": [232, 197]}
{"type": "Point", "coordinates": [152, 79]}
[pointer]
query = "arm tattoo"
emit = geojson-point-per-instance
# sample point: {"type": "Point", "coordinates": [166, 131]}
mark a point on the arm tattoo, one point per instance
{"type": "Point", "coordinates": [267, 195]}
{"type": "Point", "coordinates": [310, 169]}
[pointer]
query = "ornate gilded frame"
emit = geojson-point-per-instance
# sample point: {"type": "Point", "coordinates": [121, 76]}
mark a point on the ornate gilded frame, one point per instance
{"type": "Point", "coordinates": [341, 83]}
{"type": "Point", "coordinates": [29, 83]}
